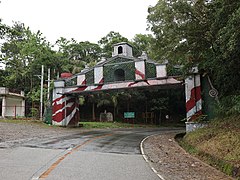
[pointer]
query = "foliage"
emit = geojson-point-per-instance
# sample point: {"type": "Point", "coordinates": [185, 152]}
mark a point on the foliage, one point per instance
{"type": "Point", "coordinates": [229, 105]}
{"type": "Point", "coordinates": [23, 52]}
{"type": "Point", "coordinates": [77, 55]}
{"type": "Point", "coordinates": [142, 42]}
{"type": "Point", "coordinates": [108, 41]}
{"type": "Point", "coordinates": [203, 33]}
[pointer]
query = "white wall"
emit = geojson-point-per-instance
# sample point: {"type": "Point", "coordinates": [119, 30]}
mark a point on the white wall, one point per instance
{"type": "Point", "coordinates": [14, 107]}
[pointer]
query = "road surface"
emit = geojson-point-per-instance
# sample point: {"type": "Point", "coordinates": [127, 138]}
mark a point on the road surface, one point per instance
{"type": "Point", "coordinates": [94, 154]}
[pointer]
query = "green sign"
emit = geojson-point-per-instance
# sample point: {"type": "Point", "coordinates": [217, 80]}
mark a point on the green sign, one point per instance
{"type": "Point", "coordinates": [129, 115]}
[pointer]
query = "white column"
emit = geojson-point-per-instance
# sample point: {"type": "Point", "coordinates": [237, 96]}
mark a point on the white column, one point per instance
{"type": "Point", "coordinates": [4, 104]}
{"type": "Point", "coordinates": [23, 108]}
{"type": "Point", "coordinates": [161, 70]}
{"type": "Point", "coordinates": [98, 75]}
{"type": "Point", "coordinates": [140, 70]}
{"type": "Point", "coordinates": [41, 96]}
{"type": "Point", "coordinates": [81, 80]}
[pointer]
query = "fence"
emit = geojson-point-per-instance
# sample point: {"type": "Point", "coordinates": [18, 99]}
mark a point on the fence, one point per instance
{"type": "Point", "coordinates": [19, 112]}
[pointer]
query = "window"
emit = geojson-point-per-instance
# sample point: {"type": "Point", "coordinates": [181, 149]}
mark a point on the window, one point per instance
{"type": "Point", "coordinates": [120, 50]}
{"type": "Point", "coordinates": [119, 75]}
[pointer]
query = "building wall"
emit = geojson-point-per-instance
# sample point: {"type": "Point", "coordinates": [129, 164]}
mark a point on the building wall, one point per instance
{"type": "Point", "coordinates": [14, 107]}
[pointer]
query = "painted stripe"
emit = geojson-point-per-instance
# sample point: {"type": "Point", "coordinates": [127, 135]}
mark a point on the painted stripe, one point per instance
{"type": "Point", "coordinates": [45, 174]}
{"type": "Point", "coordinates": [195, 96]}
{"type": "Point", "coordinates": [84, 82]}
{"type": "Point", "coordinates": [140, 74]}
{"type": "Point", "coordinates": [195, 109]}
{"type": "Point", "coordinates": [146, 159]}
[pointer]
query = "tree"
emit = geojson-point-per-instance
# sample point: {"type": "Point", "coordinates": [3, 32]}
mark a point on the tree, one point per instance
{"type": "Point", "coordinates": [200, 33]}
{"type": "Point", "coordinates": [23, 52]}
{"type": "Point", "coordinates": [142, 42]}
{"type": "Point", "coordinates": [108, 41]}
{"type": "Point", "coordinates": [77, 55]}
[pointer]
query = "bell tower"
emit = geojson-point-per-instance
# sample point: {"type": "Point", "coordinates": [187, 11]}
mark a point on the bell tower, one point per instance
{"type": "Point", "coordinates": [123, 49]}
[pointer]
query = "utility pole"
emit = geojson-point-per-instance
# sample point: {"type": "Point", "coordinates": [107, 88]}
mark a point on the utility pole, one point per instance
{"type": "Point", "coordinates": [48, 96]}
{"type": "Point", "coordinates": [41, 96]}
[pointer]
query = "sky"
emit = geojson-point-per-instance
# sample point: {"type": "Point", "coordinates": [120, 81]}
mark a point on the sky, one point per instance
{"type": "Point", "coordinates": [83, 20]}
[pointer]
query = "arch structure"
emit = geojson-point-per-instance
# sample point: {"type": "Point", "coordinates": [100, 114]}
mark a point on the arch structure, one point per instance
{"type": "Point", "coordinates": [121, 71]}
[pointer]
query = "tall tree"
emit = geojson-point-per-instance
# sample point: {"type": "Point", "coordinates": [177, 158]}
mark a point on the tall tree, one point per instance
{"type": "Point", "coordinates": [142, 42]}
{"type": "Point", "coordinates": [109, 40]}
{"type": "Point", "coordinates": [201, 32]}
{"type": "Point", "coordinates": [77, 55]}
{"type": "Point", "coordinates": [23, 53]}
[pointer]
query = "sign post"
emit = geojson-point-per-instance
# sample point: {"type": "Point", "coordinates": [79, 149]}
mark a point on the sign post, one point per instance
{"type": "Point", "coordinates": [129, 115]}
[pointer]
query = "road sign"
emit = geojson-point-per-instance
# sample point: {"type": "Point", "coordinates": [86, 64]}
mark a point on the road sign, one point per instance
{"type": "Point", "coordinates": [128, 115]}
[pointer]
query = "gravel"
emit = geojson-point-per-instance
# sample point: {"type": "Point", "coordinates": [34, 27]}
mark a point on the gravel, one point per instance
{"type": "Point", "coordinates": [173, 162]}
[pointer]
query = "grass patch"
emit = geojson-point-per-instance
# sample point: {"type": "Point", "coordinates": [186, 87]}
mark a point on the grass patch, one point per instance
{"type": "Point", "coordinates": [84, 125]}
{"type": "Point", "coordinates": [102, 125]}
{"type": "Point", "coordinates": [218, 144]}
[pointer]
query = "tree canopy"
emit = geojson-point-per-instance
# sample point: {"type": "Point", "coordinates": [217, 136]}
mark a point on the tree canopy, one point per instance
{"type": "Point", "coordinates": [200, 33]}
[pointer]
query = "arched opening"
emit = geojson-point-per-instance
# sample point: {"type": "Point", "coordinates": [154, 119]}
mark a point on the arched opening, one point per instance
{"type": "Point", "coordinates": [119, 75]}
{"type": "Point", "coordinates": [120, 50]}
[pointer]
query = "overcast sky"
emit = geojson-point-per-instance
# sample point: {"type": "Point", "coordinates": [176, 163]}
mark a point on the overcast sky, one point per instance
{"type": "Point", "coordinates": [83, 20]}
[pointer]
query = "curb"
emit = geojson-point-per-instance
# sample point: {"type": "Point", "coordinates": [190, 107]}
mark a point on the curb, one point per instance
{"type": "Point", "coordinates": [146, 158]}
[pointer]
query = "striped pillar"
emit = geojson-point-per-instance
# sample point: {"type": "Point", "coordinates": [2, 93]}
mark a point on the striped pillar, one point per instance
{"type": "Point", "coordinates": [65, 109]}
{"type": "Point", "coordinates": [140, 70]}
{"type": "Point", "coordinates": [193, 97]}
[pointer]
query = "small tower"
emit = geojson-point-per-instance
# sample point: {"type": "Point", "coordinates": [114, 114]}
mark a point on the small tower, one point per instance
{"type": "Point", "coordinates": [123, 49]}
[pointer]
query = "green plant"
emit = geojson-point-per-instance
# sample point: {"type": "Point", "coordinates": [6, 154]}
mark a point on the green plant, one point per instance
{"type": "Point", "coordinates": [34, 112]}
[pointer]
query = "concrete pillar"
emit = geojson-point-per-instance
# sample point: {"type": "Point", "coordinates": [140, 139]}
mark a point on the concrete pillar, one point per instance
{"type": "Point", "coordinates": [4, 108]}
{"type": "Point", "coordinates": [193, 96]}
{"type": "Point", "coordinates": [23, 108]}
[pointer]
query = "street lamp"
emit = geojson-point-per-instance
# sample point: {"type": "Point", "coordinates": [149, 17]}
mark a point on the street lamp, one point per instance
{"type": "Point", "coordinates": [41, 95]}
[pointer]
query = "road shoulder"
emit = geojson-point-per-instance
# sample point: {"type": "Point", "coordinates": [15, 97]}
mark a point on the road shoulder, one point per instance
{"type": "Point", "coordinates": [170, 161]}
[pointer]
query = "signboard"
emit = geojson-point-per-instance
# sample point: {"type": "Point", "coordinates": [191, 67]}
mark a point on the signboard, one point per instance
{"type": "Point", "coordinates": [128, 115]}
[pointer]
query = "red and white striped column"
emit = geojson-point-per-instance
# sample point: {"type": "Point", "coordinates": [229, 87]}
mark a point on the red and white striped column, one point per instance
{"type": "Point", "coordinates": [193, 97]}
{"type": "Point", "coordinates": [65, 108]}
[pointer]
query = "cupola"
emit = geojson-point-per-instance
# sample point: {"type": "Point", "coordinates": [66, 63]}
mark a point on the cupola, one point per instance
{"type": "Point", "coordinates": [123, 49]}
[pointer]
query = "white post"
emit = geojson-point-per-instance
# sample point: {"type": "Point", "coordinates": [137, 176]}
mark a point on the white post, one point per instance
{"type": "Point", "coordinates": [4, 108]}
{"type": "Point", "coordinates": [41, 98]}
{"type": "Point", "coordinates": [48, 97]}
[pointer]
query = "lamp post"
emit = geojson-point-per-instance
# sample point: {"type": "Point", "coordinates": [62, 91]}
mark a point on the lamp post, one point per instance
{"type": "Point", "coordinates": [41, 93]}
{"type": "Point", "coordinates": [41, 96]}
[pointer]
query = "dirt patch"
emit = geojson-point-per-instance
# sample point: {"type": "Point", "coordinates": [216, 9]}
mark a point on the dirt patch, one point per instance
{"type": "Point", "coordinates": [172, 162]}
{"type": "Point", "coordinates": [21, 132]}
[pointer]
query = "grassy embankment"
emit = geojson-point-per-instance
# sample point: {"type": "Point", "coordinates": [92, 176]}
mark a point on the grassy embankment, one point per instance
{"type": "Point", "coordinates": [218, 144]}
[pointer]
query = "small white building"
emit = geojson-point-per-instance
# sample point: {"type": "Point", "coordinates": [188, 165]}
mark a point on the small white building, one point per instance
{"type": "Point", "coordinates": [11, 104]}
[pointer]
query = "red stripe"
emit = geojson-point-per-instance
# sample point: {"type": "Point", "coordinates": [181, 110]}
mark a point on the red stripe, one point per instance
{"type": "Point", "coordinates": [61, 114]}
{"type": "Point", "coordinates": [101, 81]}
{"type": "Point", "coordinates": [55, 100]}
{"type": "Point", "coordinates": [140, 73]}
{"type": "Point", "coordinates": [84, 82]}
{"type": "Point", "coordinates": [197, 114]}
{"type": "Point", "coordinates": [98, 87]}
{"type": "Point", "coordinates": [194, 98]}
{"type": "Point", "coordinates": [80, 89]}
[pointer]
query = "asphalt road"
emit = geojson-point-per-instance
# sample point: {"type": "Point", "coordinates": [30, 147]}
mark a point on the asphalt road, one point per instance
{"type": "Point", "coordinates": [96, 155]}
